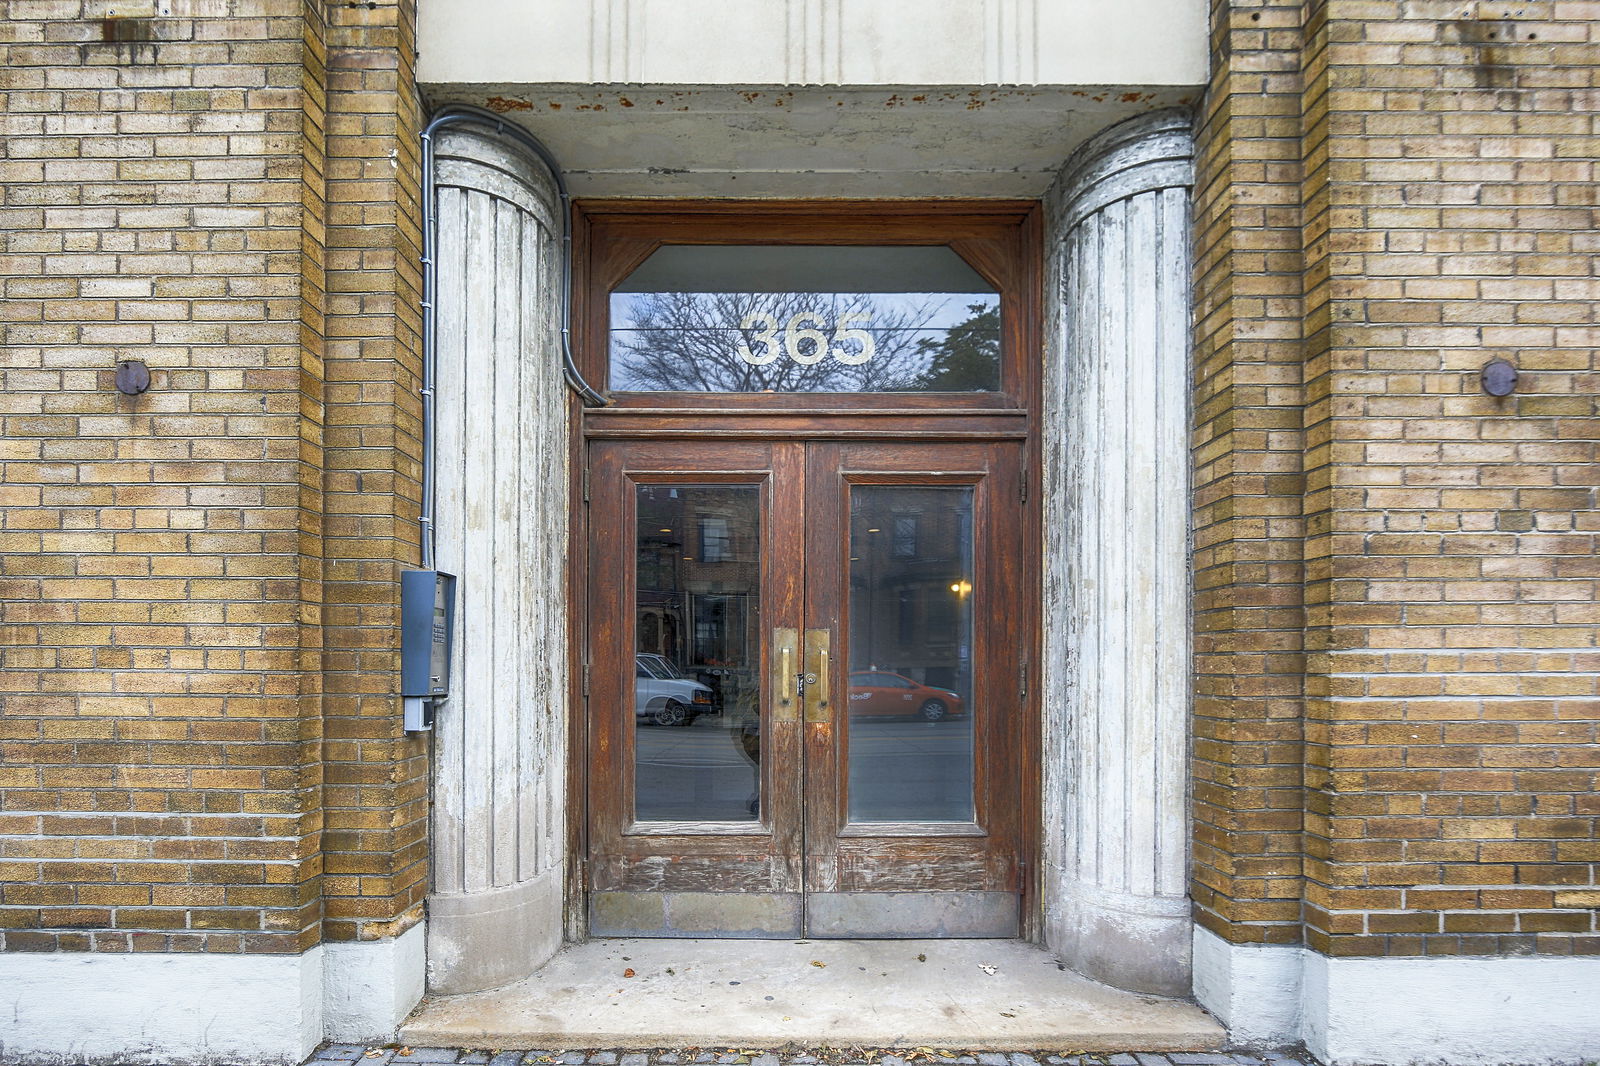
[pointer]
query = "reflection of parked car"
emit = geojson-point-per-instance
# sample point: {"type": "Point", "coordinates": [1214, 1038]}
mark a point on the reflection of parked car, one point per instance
{"type": "Point", "coordinates": [880, 692]}
{"type": "Point", "coordinates": [665, 696]}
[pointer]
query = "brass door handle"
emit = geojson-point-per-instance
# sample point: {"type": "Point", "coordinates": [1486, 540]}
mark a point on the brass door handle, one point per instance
{"type": "Point", "coordinates": [785, 648]}
{"type": "Point", "coordinates": [818, 704]}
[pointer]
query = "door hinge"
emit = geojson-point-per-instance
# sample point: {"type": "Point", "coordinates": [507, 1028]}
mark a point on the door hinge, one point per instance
{"type": "Point", "coordinates": [586, 679]}
{"type": "Point", "coordinates": [1022, 484]}
{"type": "Point", "coordinates": [1022, 668]}
{"type": "Point", "coordinates": [585, 484]}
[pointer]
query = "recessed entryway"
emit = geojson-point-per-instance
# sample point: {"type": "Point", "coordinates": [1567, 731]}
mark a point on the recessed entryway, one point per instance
{"type": "Point", "coordinates": [882, 993]}
{"type": "Point", "coordinates": [1102, 787]}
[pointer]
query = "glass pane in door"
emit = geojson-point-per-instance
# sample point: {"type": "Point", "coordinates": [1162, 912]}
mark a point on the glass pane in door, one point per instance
{"type": "Point", "coordinates": [910, 685]}
{"type": "Point", "coordinates": [697, 738]}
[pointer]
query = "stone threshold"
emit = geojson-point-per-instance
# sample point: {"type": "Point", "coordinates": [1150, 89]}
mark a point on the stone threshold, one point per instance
{"type": "Point", "coordinates": [998, 995]}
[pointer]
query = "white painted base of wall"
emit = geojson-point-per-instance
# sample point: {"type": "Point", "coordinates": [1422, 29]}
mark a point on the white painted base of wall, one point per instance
{"type": "Point", "coordinates": [1466, 1011]}
{"type": "Point", "coordinates": [199, 1008]}
{"type": "Point", "coordinates": [169, 1007]}
{"type": "Point", "coordinates": [369, 986]}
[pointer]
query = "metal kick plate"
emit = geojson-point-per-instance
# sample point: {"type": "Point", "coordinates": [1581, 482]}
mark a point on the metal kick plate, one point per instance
{"type": "Point", "coordinates": [912, 915]}
{"type": "Point", "coordinates": [824, 915]}
{"type": "Point", "coordinates": [731, 915]}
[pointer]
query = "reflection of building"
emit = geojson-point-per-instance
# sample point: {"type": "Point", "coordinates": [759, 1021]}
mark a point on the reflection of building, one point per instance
{"type": "Point", "coordinates": [910, 582]}
{"type": "Point", "coordinates": [698, 583]}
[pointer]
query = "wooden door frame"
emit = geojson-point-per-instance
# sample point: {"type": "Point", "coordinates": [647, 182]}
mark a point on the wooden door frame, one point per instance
{"type": "Point", "coordinates": [1002, 239]}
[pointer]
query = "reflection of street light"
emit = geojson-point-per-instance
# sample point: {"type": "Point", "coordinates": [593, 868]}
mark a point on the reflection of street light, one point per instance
{"type": "Point", "coordinates": [962, 587]}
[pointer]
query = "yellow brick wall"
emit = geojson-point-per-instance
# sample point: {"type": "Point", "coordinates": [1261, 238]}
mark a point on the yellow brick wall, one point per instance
{"type": "Point", "coordinates": [1451, 535]}
{"type": "Point", "coordinates": [1444, 157]}
{"type": "Point", "coordinates": [162, 557]}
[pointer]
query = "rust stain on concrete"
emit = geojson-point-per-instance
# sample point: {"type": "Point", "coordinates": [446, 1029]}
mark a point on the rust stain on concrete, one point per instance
{"type": "Point", "coordinates": [501, 104]}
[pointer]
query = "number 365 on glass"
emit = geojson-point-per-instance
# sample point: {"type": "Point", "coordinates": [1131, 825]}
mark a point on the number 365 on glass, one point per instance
{"type": "Point", "coordinates": [803, 327]}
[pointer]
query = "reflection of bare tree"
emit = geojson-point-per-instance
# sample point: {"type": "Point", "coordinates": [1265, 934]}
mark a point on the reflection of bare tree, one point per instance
{"type": "Point", "coordinates": [691, 342]}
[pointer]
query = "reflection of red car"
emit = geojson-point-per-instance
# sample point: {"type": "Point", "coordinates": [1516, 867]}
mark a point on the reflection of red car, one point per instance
{"type": "Point", "coordinates": [880, 692]}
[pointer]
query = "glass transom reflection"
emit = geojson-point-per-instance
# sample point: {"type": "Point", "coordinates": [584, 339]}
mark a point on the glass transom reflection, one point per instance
{"type": "Point", "coordinates": [805, 318]}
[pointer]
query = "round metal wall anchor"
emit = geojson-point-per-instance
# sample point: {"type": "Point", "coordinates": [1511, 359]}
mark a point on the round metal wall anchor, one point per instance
{"type": "Point", "coordinates": [1499, 378]}
{"type": "Point", "coordinates": [133, 377]}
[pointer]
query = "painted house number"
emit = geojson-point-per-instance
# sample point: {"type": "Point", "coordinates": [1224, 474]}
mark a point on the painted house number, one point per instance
{"type": "Point", "coordinates": [807, 325]}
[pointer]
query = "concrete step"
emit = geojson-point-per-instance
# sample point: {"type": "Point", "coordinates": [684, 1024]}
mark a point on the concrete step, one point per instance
{"type": "Point", "coordinates": [991, 994]}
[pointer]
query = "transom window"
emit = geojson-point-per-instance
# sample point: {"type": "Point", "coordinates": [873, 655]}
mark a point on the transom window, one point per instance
{"type": "Point", "coordinates": [804, 318]}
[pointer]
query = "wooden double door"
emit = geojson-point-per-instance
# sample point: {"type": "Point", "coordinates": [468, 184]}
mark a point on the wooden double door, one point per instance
{"type": "Point", "coordinates": [806, 689]}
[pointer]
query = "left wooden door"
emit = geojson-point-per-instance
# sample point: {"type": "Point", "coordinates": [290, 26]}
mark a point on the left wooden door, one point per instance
{"type": "Point", "coordinates": [696, 596]}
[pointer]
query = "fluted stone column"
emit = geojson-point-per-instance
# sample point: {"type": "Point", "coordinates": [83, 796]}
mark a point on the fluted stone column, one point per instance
{"type": "Point", "coordinates": [495, 912]}
{"type": "Point", "coordinates": [1117, 638]}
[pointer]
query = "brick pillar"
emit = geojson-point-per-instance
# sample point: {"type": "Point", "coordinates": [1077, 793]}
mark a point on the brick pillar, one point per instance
{"type": "Point", "coordinates": [1248, 482]}
{"type": "Point", "coordinates": [375, 850]}
{"type": "Point", "coordinates": [1454, 644]}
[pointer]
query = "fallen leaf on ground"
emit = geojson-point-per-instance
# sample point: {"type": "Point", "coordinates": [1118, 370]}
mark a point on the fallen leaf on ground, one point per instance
{"type": "Point", "coordinates": [628, 972]}
{"type": "Point", "coordinates": [819, 965]}
{"type": "Point", "coordinates": [922, 958]}
{"type": "Point", "coordinates": [990, 970]}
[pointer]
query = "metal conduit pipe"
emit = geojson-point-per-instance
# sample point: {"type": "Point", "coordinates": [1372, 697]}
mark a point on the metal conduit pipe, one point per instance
{"type": "Point", "coordinates": [456, 115]}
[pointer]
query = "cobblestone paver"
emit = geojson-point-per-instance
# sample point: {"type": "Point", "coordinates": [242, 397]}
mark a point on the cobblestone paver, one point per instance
{"type": "Point", "coordinates": [356, 1055]}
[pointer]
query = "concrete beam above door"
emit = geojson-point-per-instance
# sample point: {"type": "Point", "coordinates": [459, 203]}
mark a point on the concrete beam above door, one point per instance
{"type": "Point", "coordinates": [809, 141]}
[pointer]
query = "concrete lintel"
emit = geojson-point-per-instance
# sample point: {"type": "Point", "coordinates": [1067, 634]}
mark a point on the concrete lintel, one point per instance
{"type": "Point", "coordinates": [812, 141]}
